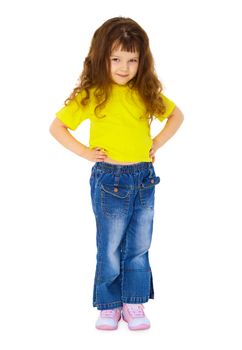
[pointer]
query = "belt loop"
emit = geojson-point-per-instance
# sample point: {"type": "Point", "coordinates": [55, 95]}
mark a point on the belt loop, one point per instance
{"type": "Point", "coordinates": [116, 180]}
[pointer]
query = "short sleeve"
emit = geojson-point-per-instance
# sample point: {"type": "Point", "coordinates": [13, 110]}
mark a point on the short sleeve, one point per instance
{"type": "Point", "coordinates": [73, 114]}
{"type": "Point", "coordinates": [169, 104]}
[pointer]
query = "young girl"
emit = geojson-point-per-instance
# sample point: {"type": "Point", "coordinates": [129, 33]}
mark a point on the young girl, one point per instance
{"type": "Point", "coordinates": [120, 93]}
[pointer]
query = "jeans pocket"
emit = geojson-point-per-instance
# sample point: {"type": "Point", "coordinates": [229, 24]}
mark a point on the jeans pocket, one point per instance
{"type": "Point", "coordinates": [147, 191]}
{"type": "Point", "coordinates": [150, 182]}
{"type": "Point", "coordinates": [115, 201]}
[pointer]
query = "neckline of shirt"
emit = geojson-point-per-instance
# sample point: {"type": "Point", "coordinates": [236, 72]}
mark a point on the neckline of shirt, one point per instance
{"type": "Point", "coordinates": [119, 85]}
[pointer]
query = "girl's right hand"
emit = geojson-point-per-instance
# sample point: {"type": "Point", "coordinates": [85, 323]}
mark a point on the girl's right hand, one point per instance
{"type": "Point", "coordinates": [95, 154]}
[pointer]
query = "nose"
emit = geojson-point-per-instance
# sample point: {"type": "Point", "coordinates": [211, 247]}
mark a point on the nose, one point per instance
{"type": "Point", "coordinates": [124, 66]}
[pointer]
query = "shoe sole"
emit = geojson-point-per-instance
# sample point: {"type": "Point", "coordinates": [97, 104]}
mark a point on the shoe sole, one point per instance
{"type": "Point", "coordinates": [106, 328]}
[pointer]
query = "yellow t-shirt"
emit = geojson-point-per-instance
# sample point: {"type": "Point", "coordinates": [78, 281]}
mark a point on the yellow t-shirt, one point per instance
{"type": "Point", "coordinates": [121, 133]}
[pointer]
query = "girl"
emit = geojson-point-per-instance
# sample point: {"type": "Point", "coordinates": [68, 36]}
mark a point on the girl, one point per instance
{"type": "Point", "coordinates": [120, 93]}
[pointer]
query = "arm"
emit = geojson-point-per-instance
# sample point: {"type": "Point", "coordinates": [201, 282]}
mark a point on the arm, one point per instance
{"type": "Point", "coordinates": [61, 133]}
{"type": "Point", "coordinates": [172, 125]}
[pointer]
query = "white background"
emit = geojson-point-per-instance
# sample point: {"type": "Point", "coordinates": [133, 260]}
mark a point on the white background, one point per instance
{"type": "Point", "coordinates": [47, 248]}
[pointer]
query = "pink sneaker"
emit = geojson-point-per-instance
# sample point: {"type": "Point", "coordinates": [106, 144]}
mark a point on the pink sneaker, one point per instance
{"type": "Point", "coordinates": [108, 319]}
{"type": "Point", "coordinates": [134, 315]}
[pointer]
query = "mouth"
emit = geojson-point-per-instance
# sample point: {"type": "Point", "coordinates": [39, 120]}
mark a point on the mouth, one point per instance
{"type": "Point", "coordinates": [123, 76]}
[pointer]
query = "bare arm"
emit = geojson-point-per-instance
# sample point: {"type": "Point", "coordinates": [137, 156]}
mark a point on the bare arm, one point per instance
{"type": "Point", "coordinates": [172, 125]}
{"type": "Point", "coordinates": [61, 133]}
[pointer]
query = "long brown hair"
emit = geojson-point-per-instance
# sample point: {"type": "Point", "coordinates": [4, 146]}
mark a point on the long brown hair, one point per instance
{"type": "Point", "coordinates": [129, 36]}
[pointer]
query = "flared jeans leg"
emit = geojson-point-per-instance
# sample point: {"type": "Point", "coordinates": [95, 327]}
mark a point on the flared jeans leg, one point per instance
{"type": "Point", "coordinates": [137, 281]}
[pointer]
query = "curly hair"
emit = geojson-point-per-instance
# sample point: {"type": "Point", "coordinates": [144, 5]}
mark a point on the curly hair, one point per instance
{"type": "Point", "coordinates": [124, 33]}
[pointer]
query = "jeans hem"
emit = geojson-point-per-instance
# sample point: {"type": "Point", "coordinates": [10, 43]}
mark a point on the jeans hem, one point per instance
{"type": "Point", "coordinates": [108, 306]}
{"type": "Point", "coordinates": [136, 300]}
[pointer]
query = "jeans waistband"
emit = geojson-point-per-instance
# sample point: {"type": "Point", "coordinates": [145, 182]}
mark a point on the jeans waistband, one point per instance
{"type": "Point", "coordinates": [118, 168]}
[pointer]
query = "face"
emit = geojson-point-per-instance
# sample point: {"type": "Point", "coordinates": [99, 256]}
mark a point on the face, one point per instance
{"type": "Point", "coordinates": [123, 66]}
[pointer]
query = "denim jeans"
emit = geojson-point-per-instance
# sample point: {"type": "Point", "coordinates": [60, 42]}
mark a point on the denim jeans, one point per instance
{"type": "Point", "coordinates": [123, 204]}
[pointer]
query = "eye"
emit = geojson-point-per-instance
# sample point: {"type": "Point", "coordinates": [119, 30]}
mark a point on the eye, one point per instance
{"type": "Point", "coordinates": [114, 59]}
{"type": "Point", "coordinates": [133, 60]}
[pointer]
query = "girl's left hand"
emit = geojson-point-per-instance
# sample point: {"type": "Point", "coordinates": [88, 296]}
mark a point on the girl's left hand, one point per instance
{"type": "Point", "coordinates": [153, 150]}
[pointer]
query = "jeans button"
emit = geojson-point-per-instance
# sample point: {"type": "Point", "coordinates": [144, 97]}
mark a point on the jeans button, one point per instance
{"type": "Point", "coordinates": [115, 189]}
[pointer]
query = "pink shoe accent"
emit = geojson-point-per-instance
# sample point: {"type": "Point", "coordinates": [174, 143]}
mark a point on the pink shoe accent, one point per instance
{"type": "Point", "coordinates": [134, 315]}
{"type": "Point", "coordinates": [108, 319]}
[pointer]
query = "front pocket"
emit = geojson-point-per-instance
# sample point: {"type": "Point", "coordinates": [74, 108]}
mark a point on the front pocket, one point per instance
{"type": "Point", "coordinates": [115, 200]}
{"type": "Point", "coordinates": [147, 191]}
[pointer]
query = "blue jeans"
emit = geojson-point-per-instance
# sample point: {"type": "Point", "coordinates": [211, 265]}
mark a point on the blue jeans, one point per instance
{"type": "Point", "coordinates": [123, 204]}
